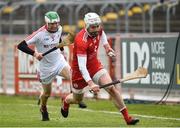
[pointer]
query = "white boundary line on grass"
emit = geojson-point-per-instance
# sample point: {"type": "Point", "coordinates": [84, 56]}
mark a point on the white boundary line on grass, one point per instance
{"type": "Point", "coordinates": [117, 113]}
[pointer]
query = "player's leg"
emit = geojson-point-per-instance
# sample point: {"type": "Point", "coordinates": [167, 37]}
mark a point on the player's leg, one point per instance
{"type": "Point", "coordinates": [118, 100]}
{"type": "Point", "coordinates": [45, 94]}
{"type": "Point", "coordinates": [82, 105]}
{"type": "Point", "coordinates": [118, 88]}
{"type": "Point", "coordinates": [102, 77]}
{"type": "Point", "coordinates": [73, 98]}
{"type": "Point", "coordinates": [70, 99]}
{"type": "Point", "coordinates": [66, 73]}
{"type": "Point", "coordinates": [43, 101]}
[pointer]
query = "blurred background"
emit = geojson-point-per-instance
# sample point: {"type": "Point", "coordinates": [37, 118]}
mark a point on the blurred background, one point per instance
{"type": "Point", "coordinates": [125, 16]}
{"type": "Point", "coordinates": [142, 32]}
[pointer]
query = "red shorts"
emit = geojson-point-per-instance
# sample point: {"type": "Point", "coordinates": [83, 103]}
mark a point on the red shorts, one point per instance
{"type": "Point", "coordinates": [79, 84]}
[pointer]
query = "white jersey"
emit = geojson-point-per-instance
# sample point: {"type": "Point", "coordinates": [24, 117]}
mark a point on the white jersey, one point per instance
{"type": "Point", "coordinates": [43, 41]}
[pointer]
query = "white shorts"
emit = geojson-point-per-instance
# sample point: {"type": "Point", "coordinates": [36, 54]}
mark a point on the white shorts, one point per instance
{"type": "Point", "coordinates": [56, 72]}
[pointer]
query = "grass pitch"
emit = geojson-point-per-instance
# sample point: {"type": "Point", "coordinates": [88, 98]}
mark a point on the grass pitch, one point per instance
{"type": "Point", "coordinates": [19, 111]}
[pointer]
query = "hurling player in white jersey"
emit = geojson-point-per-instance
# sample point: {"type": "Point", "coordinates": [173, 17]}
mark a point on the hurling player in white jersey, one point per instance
{"type": "Point", "coordinates": [53, 63]}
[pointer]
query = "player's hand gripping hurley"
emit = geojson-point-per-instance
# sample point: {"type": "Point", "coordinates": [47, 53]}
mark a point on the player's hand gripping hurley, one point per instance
{"type": "Point", "coordinates": [69, 39]}
{"type": "Point", "coordinates": [139, 73]}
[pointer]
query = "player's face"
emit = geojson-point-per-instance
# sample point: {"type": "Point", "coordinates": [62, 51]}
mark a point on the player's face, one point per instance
{"type": "Point", "coordinates": [94, 29]}
{"type": "Point", "coordinates": [53, 27]}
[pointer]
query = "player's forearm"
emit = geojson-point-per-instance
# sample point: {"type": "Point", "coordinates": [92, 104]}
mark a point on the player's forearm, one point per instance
{"type": "Point", "coordinates": [105, 42]}
{"type": "Point", "coordinates": [82, 60]}
{"type": "Point", "coordinates": [24, 47]}
{"type": "Point", "coordinates": [107, 47]}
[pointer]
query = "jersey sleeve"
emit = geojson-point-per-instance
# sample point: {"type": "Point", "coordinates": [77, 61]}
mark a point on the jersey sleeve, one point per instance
{"type": "Point", "coordinates": [82, 61]}
{"type": "Point", "coordinates": [103, 38]}
{"type": "Point", "coordinates": [32, 39]}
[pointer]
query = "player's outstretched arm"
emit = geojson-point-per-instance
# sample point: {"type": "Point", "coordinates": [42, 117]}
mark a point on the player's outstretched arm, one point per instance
{"type": "Point", "coordinates": [24, 48]}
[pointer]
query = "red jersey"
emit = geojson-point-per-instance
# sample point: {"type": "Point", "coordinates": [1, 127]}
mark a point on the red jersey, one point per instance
{"type": "Point", "coordinates": [85, 45]}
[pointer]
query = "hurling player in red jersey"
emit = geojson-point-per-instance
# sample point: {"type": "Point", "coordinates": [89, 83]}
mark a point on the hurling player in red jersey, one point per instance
{"type": "Point", "coordinates": [87, 70]}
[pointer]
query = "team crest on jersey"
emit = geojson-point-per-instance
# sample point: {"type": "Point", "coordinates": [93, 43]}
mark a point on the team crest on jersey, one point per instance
{"type": "Point", "coordinates": [75, 85]}
{"type": "Point", "coordinates": [46, 39]}
{"type": "Point", "coordinates": [53, 37]}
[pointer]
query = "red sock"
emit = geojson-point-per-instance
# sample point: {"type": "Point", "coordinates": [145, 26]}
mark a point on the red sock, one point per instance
{"type": "Point", "coordinates": [65, 104]}
{"type": "Point", "coordinates": [124, 111]}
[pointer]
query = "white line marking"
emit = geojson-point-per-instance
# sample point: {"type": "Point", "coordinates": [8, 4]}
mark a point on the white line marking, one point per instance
{"type": "Point", "coordinates": [157, 117]}
{"type": "Point", "coordinates": [109, 112]}
{"type": "Point", "coordinates": [138, 115]}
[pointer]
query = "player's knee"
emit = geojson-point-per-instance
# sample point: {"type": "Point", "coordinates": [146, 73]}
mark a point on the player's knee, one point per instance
{"type": "Point", "coordinates": [66, 73]}
{"type": "Point", "coordinates": [68, 77]}
{"type": "Point", "coordinates": [111, 90]}
{"type": "Point", "coordinates": [44, 96]}
{"type": "Point", "coordinates": [78, 101]}
{"type": "Point", "coordinates": [47, 94]}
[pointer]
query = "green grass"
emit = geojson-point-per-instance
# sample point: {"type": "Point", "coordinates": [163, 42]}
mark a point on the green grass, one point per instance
{"type": "Point", "coordinates": [19, 111]}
